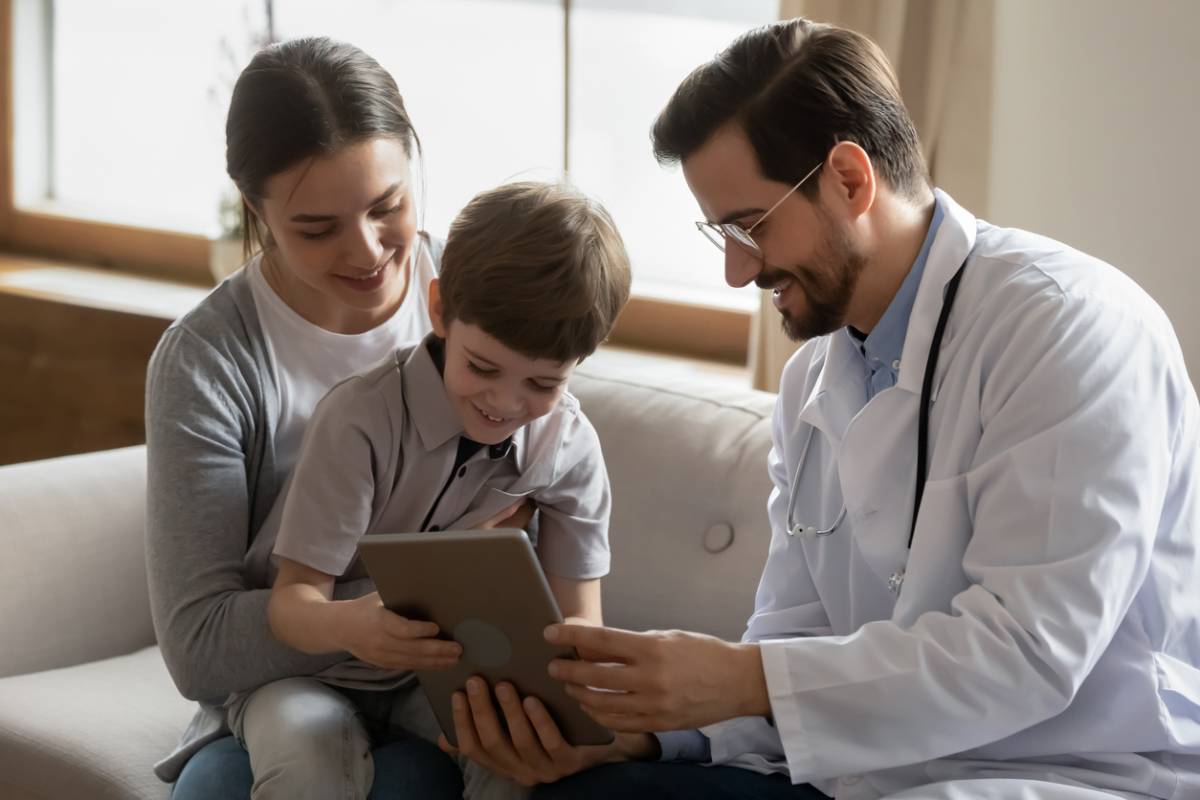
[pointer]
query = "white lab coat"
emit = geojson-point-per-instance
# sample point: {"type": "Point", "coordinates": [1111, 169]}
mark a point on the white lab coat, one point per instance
{"type": "Point", "coordinates": [1048, 628]}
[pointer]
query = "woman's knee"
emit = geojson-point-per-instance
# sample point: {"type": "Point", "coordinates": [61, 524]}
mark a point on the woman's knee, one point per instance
{"type": "Point", "coordinates": [412, 768]}
{"type": "Point", "coordinates": [219, 769]}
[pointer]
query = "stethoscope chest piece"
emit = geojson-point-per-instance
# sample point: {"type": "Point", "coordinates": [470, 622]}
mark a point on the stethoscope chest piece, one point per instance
{"type": "Point", "coordinates": [811, 531]}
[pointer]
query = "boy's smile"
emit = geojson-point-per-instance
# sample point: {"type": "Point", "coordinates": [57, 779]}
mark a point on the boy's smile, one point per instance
{"type": "Point", "coordinates": [493, 389]}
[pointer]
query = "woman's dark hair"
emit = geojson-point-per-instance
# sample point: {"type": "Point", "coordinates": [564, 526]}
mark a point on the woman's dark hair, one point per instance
{"type": "Point", "coordinates": [304, 98]}
{"type": "Point", "coordinates": [797, 88]}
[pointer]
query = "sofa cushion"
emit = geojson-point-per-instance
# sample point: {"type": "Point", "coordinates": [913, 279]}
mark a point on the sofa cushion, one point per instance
{"type": "Point", "coordinates": [89, 731]}
{"type": "Point", "coordinates": [688, 464]}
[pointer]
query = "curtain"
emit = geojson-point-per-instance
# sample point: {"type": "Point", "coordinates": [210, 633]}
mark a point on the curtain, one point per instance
{"type": "Point", "coordinates": [941, 51]}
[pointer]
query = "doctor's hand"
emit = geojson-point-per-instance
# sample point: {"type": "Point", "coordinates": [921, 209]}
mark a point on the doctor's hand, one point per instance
{"type": "Point", "coordinates": [371, 633]}
{"type": "Point", "coordinates": [532, 750]}
{"type": "Point", "coordinates": [659, 680]}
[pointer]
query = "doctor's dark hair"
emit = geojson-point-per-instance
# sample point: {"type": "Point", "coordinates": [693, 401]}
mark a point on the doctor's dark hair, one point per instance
{"type": "Point", "coordinates": [306, 98]}
{"type": "Point", "coordinates": [540, 267]}
{"type": "Point", "coordinates": [797, 88]}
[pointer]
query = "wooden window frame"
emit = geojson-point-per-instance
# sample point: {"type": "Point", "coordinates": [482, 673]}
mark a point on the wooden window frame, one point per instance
{"type": "Point", "coordinates": [648, 323]}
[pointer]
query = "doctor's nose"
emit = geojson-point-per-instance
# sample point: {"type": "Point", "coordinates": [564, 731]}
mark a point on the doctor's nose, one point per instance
{"type": "Point", "coordinates": [741, 266]}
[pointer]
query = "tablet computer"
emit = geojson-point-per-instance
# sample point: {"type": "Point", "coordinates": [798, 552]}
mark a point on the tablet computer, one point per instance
{"type": "Point", "coordinates": [485, 590]}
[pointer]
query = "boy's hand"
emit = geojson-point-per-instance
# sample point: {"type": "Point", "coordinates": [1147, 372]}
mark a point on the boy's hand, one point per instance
{"type": "Point", "coordinates": [529, 748]}
{"type": "Point", "coordinates": [377, 636]}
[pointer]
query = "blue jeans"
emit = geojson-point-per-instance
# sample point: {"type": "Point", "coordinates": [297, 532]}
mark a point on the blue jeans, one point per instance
{"type": "Point", "coordinates": [408, 768]}
{"type": "Point", "coordinates": [668, 780]}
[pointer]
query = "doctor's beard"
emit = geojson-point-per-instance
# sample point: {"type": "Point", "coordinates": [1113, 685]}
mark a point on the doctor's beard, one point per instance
{"type": "Point", "coordinates": [827, 283]}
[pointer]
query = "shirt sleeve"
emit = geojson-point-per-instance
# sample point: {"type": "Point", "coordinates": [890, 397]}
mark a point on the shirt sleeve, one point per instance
{"type": "Point", "coordinates": [683, 746]}
{"type": "Point", "coordinates": [211, 627]}
{"type": "Point", "coordinates": [332, 495]}
{"type": "Point", "coordinates": [574, 508]}
{"type": "Point", "coordinates": [1065, 489]}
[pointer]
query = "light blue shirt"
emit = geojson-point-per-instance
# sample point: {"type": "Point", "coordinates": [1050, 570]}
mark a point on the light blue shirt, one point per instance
{"type": "Point", "coordinates": [882, 348]}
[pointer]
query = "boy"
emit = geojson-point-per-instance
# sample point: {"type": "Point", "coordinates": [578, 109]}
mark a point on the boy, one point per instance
{"type": "Point", "coordinates": [449, 433]}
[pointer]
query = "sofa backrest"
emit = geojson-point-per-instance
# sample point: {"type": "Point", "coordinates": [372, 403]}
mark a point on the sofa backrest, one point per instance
{"type": "Point", "coordinates": [688, 464]}
{"type": "Point", "coordinates": [689, 530]}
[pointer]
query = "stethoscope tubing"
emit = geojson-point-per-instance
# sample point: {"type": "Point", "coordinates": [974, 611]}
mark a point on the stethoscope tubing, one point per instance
{"type": "Point", "coordinates": [935, 346]}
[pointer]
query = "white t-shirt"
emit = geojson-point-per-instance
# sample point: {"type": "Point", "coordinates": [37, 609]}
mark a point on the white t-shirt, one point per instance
{"type": "Point", "coordinates": [308, 360]}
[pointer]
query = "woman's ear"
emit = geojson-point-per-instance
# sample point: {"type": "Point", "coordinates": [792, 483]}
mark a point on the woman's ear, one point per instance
{"type": "Point", "coordinates": [435, 309]}
{"type": "Point", "coordinates": [254, 221]}
{"type": "Point", "coordinates": [250, 208]}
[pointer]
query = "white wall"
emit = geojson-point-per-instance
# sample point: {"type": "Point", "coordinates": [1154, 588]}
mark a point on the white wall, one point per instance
{"type": "Point", "coordinates": [1096, 138]}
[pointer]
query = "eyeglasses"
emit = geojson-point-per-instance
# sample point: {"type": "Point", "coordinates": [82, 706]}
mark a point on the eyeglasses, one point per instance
{"type": "Point", "coordinates": [720, 232]}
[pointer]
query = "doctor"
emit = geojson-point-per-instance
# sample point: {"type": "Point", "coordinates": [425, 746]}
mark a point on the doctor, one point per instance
{"type": "Point", "coordinates": [1035, 632]}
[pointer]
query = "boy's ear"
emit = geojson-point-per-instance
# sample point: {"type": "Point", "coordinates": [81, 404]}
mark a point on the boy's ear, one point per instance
{"type": "Point", "coordinates": [435, 309]}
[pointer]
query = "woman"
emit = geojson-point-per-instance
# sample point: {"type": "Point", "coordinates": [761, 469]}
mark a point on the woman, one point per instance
{"type": "Point", "coordinates": [321, 147]}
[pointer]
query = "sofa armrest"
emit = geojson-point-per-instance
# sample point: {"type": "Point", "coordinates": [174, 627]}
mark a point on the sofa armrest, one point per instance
{"type": "Point", "coordinates": [73, 569]}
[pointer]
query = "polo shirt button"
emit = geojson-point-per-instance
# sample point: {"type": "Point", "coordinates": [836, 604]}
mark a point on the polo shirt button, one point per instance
{"type": "Point", "coordinates": [462, 472]}
{"type": "Point", "coordinates": [896, 364]}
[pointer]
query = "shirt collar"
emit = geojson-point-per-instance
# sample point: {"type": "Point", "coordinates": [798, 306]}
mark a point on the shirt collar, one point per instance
{"type": "Point", "coordinates": [886, 340]}
{"type": "Point", "coordinates": [428, 404]}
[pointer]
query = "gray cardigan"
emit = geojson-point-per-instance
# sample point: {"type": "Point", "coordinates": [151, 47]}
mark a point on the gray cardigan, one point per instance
{"type": "Point", "coordinates": [212, 478]}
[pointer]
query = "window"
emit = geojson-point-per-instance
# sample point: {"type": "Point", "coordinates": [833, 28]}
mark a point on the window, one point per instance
{"type": "Point", "coordinates": [118, 114]}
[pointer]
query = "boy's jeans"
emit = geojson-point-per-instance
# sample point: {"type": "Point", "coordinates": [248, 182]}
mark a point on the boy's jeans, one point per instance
{"type": "Point", "coordinates": [309, 739]}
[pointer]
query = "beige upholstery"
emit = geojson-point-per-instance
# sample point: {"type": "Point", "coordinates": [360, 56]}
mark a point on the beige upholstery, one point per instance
{"type": "Point", "coordinates": [89, 731]}
{"type": "Point", "coordinates": [688, 467]}
{"type": "Point", "coordinates": [72, 573]}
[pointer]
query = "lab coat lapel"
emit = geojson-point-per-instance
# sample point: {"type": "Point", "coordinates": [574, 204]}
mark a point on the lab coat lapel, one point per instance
{"type": "Point", "coordinates": [954, 240]}
{"type": "Point", "coordinates": [839, 392]}
{"type": "Point", "coordinates": [878, 453]}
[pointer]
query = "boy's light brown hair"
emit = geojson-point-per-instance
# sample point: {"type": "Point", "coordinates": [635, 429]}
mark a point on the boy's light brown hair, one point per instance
{"type": "Point", "coordinates": [538, 266]}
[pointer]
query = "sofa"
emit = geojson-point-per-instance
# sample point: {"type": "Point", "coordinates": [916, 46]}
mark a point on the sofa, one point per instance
{"type": "Point", "coordinates": [86, 704]}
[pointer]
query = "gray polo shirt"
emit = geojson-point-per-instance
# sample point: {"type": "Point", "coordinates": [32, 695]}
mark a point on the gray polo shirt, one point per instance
{"type": "Point", "coordinates": [379, 456]}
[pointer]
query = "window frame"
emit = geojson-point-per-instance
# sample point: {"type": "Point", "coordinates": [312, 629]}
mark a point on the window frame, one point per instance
{"type": "Point", "coordinates": [717, 334]}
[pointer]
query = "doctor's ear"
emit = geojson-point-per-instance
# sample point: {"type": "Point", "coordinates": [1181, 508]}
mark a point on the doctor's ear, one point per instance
{"type": "Point", "coordinates": [852, 177]}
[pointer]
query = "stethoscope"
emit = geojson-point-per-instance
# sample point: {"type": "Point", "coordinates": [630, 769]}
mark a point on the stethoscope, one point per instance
{"type": "Point", "coordinates": [812, 531]}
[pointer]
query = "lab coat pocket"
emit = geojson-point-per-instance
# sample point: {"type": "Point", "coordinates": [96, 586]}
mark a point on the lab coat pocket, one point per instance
{"type": "Point", "coordinates": [933, 573]}
{"type": "Point", "coordinates": [1179, 696]}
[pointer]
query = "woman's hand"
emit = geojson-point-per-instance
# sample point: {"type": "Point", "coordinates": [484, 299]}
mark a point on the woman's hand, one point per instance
{"type": "Point", "coordinates": [384, 638]}
{"type": "Point", "coordinates": [533, 750]}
